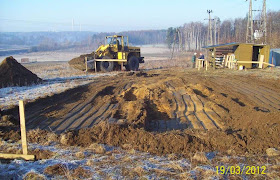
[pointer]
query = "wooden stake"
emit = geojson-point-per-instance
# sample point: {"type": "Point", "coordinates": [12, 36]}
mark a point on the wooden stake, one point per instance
{"type": "Point", "coordinates": [86, 64]}
{"type": "Point", "coordinates": [22, 127]}
{"type": "Point", "coordinates": [95, 66]}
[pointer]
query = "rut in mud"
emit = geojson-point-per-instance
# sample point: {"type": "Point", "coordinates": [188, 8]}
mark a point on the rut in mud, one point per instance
{"type": "Point", "coordinates": [197, 111]}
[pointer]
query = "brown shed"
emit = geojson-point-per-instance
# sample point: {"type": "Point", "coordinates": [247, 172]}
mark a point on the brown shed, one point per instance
{"type": "Point", "coordinates": [245, 53]}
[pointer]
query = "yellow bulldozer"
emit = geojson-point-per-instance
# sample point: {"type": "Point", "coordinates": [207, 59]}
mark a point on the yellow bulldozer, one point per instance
{"type": "Point", "coordinates": [115, 54]}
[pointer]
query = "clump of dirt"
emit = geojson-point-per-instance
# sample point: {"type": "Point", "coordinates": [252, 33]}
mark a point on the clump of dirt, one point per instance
{"type": "Point", "coordinates": [57, 169]}
{"type": "Point", "coordinates": [79, 62]}
{"type": "Point", "coordinates": [81, 173]}
{"type": "Point", "coordinates": [63, 170]}
{"type": "Point", "coordinates": [13, 73]}
{"type": "Point", "coordinates": [12, 135]}
{"type": "Point", "coordinates": [34, 175]}
{"type": "Point", "coordinates": [8, 120]}
{"type": "Point", "coordinates": [139, 139]}
{"type": "Point", "coordinates": [41, 154]}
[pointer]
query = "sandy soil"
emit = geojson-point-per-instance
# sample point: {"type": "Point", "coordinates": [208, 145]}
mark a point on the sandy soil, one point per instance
{"type": "Point", "coordinates": [167, 111]}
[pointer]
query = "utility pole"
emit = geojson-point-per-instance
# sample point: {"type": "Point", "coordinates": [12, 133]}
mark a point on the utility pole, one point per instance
{"type": "Point", "coordinates": [264, 28]}
{"type": "Point", "coordinates": [210, 33]}
{"type": "Point", "coordinates": [250, 30]}
{"type": "Point", "coordinates": [215, 31]}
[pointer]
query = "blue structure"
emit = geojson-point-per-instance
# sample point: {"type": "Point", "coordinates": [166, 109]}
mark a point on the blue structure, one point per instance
{"type": "Point", "coordinates": [274, 57]}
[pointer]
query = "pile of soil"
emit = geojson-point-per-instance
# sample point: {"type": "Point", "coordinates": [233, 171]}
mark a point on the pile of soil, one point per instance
{"type": "Point", "coordinates": [79, 62]}
{"type": "Point", "coordinates": [13, 73]}
{"type": "Point", "coordinates": [166, 111]}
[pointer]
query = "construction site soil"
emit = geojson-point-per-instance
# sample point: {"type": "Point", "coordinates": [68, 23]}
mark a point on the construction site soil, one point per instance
{"type": "Point", "coordinates": [163, 111]}
{"type": "Point", "coordinates": [79, 62]}
{"type": "Point", "coordinates": [13, 73]}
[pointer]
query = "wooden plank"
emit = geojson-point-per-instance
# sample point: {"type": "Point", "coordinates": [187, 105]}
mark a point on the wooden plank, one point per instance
{"type": "Point", "coordinates": [261, 61]}
{"type": "Point", "coordinates": [248, 62]}
{"type": "Point", "coordinates": [254, 62]}
{"type": "Point", "coordinates": [269, 64]}
{"type": "Point", "coordinates": [17, 156]}
{"type": "Point", "coordinates": [22, 127]}
{"type": "Point", "coordinates": [116, 60]}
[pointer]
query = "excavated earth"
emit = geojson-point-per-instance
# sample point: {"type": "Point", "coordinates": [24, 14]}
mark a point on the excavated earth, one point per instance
{"type": "Point", "coordinates": [166, 111]}
{"type": "Point", "coordinates": [13, 73]}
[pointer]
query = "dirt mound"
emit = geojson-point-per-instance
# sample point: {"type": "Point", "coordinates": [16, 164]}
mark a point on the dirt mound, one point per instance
{"type": "Point", "coordinates": [79, 62]}
{"type": "Point", "coordinates": [13, 73]}
{"type": "Point", "coordinates": [166, 111]}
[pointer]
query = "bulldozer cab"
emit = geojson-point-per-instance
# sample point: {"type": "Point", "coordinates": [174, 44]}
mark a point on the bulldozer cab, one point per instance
{"type": "Point", "coordinates": [119, 43]}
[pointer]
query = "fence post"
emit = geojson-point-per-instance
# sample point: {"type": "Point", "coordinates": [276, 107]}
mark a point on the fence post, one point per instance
{"type": "Point", "coordinates": [22, 127]}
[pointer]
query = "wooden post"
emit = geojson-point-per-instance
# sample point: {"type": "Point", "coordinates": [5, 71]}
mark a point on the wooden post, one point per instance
{"type": "Point", "coordinates": [95, 66]}
{"type": "Point", "coordinates": [24, 154]}
{"type": "Point", "coordinates": [214, 56]}
{"type": "Point", "coordinates": [22, 127]}
{"type": "Point", "coordinates": [86, 65]}
{"type": "Point", "coordinates": [122, 66]}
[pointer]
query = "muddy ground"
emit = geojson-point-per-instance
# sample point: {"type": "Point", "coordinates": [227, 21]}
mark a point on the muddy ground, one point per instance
{"type": "Point", "coordinates": [164, 111]}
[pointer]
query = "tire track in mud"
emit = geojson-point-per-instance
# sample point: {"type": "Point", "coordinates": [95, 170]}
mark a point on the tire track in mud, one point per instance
{"type": "Point", "coordinates": [259, 97]}
{"type": "Point", "coordinates": [212, 115]}
{"type": "Point", "coordinates": [200, 114]}
{"type": "Point", "coordinates": [76, 116]}
{"type": "Point", "coordinates": [174, 122]}
{"type": "Point", "coordinates": [191, 103]}
{"type": "Point", "coordinates": [34, 117]}
{"type": "Point", "coordinates": [190, 113]}
{"type": "Point", "coordinates": [88, 116]}
{"type": "Point", "coordinates": [263, 96]}
{"type": "Point", "coordinates": [72, 115]}
{"type": "Point", "coordinates": [197, 116]}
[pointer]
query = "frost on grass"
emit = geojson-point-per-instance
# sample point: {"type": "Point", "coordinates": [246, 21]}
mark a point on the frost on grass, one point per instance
{"type": "Point", "coordinates": [116, 163]}
{"type": "Point", "coordinates": [11, 95]}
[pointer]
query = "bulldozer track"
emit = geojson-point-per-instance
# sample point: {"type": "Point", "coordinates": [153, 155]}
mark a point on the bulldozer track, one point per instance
{"type": "Point", "coordinates": [165, 103]}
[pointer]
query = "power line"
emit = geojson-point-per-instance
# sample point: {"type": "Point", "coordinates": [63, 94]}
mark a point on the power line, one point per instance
{"type": "Point", "coordinates": [31, 21]}
{"type": "Point", "coordinates": [70, 23]}
{"type": "Point", "coordinates": [210, 30]}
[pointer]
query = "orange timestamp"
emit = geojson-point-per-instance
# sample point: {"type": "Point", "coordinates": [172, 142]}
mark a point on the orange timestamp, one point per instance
{"type": "Point", "coordinates": [241, 170]}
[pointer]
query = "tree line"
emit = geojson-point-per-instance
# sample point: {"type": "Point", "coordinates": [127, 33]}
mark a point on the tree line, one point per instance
{"type": "Point", "coordinates": [50, 41]}
{"type": "Point", "coordinates": [193, 36]}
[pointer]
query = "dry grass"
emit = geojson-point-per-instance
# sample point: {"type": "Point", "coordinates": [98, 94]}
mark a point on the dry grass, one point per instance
{"type": "Point", "coordinates": [272, 152]}
{"type": "Point", "coordinates": [127, 146]}
{"type": "Point", "coordinates": [81, 173]}
{"type": "Point", "coordinates": [80, 155]}
{"type": "Point", "coordinates": [200, 157]}
{"type": "Point", "coordinates": [185, 176]}
{"type": "Point", "coordinates": [53, 69]}
{"type": "Point", "coordinates": [162, 172]}
{"type": "Point", "coordinates": [175, 167]}
{"type": "Point", "coordinates": [202, 173]}
{"type": "Point", "coordinates": [97, 148]}
{"type": "Point", "coordinates": [172, 156]}
{"type": "Point", "coordinates": [139, 171]}
{"type": "Point", "coordinates": [34, 176]}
